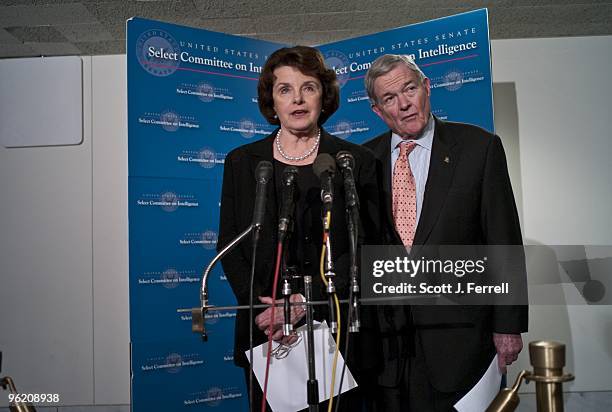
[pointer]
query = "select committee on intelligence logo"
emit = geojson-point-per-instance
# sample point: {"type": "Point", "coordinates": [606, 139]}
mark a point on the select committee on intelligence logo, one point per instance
{"type": "Point", "coordinates": [248, 128]}
{"type": "Point", "coordinates": [172, 363]}
{"type": "Point", "coordinates": [176, 360]}
{"type": "Point", "coordinates": [214, 317]}
{"type": "Point", "coordinates": [169, 201]}
{"type": "Point", "coordinates": [206, 157]}
{"type": "Point", "coordinates": [338, 61]}
{"type": "Point", "coordinates": [170, 278]}
{"type": "Point", "coordinates": [169, 121]}
{"type": "Point", "coordinates": [154, 49]}
{"type": "Point", "coordinates": [453, 80]}
{"type": "Point", "coordinates": [346, 128]}
{"type": "Point", "coordinates": [205, 92]}
{"type": "Point", "coordinates": [213, 396]}
{"type": "Point", "coordinates": [342, 130]}
{"type": "Point", "coordinates": [207, 239]}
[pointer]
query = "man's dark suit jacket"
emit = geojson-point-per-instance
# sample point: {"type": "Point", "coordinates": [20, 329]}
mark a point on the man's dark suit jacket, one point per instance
{"type": "Point", "coordinates": [468, 201]}
{"type": "Point", "coordinates": [237, 200]}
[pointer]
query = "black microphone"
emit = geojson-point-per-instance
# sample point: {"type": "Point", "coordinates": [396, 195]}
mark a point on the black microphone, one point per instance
{"type": "Point", "coordinates": [346, 161]}
{"type": "Point", "coordinates": [262, 176]}
{"type": "Point", "coordinates": [289, 182]}
{"type": "Point", "coordinates": [324, 168]}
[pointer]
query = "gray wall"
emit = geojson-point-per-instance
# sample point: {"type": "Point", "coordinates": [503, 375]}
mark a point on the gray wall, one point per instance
{"type": "Point", "coordinates": [64, 324]}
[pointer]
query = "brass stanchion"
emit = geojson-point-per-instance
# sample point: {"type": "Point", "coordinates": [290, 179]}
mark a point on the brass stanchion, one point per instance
{"type": "Point", "coordinates": [14, 406]}
{"type": "Point", "coordinates": [548, 360]}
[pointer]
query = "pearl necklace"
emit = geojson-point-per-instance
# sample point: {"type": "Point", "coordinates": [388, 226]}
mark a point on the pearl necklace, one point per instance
{"type": "Point", "coordinates": [296, 158]}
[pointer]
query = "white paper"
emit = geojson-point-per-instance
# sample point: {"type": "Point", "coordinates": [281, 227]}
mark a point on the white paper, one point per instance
{"type": "Point", "coordinates": [483, 393]}
{"type": "Point", "coordinates": [288, 376]}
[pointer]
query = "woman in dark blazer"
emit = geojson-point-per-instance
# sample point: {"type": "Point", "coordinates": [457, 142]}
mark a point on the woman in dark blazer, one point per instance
{"type": "Point", "coordinates": [297, 92]}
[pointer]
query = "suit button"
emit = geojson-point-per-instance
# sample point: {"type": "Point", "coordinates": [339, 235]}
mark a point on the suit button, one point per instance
{"type": "Point", "coordinates": [307, 263]}
{"type": "Point", "coordinates": [307, 239]}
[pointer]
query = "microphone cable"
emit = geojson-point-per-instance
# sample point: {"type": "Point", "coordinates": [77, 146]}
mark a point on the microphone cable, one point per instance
{"type": "Point", "coordinates": [262, 175]}
{"type": "Point", "coordinates": [251, 320]}
{"type": "Point", "coordinates": [348, 332]}
{"type": "Point", "coordinates": [337, 305]}
{"type": "Point", "coordinates": [279, 251]}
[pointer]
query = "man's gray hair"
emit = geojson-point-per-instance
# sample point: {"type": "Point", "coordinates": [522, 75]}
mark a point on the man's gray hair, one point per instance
{"type": "Point", "coordinates": [383, 65]}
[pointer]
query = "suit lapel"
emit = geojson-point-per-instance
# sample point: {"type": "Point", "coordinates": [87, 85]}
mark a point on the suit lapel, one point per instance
{"type": "Point", "coordinates": [444, 157]}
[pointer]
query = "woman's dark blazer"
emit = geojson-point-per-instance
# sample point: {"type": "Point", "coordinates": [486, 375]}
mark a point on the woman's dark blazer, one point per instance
{"type": "Point", "coordinates": [237, 200]}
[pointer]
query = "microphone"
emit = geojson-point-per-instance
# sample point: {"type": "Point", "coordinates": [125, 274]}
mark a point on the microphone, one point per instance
{"type": "Point", "coordinates": [325, 168]}
{"type": "Point", "coordinates": [289, 182]}
{"type": "Point", "coordinates": [346, 161]}
{"type": "Point", "coordinates": [262, 176]}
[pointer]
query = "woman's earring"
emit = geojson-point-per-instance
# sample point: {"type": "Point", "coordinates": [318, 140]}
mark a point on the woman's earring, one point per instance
{"type": "Point", "coordinates": [275, 116]}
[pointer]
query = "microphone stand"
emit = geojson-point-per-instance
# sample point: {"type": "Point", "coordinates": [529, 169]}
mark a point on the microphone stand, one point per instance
{"type": "Point", "coordinates": [329, 274]}
{"type": "Point", "coordinates": [353, 219]}
{"type": "Point", "coordinates": [312, 386]}
{"type": "Point", "coordinates": [198, 314]}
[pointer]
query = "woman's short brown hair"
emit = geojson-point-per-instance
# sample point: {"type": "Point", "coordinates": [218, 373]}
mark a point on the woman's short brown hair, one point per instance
{"type": "Point", "coordinates": [310, 62]}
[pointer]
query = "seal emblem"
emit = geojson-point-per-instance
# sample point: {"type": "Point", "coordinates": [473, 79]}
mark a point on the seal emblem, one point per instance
{"type": "Point", "coordinates": [158, 41]}
{"type": "Point", "coordinates": [335, 59]}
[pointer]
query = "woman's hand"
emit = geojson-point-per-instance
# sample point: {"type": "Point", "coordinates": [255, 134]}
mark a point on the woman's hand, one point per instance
{"type": "Point", "coordinates": [263, 320]}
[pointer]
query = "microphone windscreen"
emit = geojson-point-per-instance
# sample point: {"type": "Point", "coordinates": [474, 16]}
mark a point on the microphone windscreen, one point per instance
{"type": "Point", "coordinates": [324, 163]}
{"type": "Point", "coordinates": [289, 174]}
{"type": "Point", "coordinates": [345, 160]}
{"type": "Point", "coordinates": [263, 171]}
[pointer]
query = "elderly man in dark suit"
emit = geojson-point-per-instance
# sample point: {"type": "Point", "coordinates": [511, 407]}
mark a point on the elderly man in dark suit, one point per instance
{"type": "Point", "coordinates": [441, 183]}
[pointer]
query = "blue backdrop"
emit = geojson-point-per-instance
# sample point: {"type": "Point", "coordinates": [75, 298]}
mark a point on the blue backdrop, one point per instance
{"type": "Point", "coordinates": [191, 99]}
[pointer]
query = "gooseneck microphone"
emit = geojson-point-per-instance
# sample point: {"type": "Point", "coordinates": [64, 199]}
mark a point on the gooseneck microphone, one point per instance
{"type": "Point", "coordinates": [285, 218]}
{"type": "Point", "coordinates": [263, 172]}
{"type": "Point", "coordinates": [285, 227]}
{"type": "Point", "coordinates": [324, 168]}
{"type": "Point", "coordinates": [346, 162]}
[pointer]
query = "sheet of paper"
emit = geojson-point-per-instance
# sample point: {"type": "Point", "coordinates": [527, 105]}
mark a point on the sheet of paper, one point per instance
{"type": "Point", "coordinates": [483, 393]}
{"type": "Point", "coordinates": [288, 375]}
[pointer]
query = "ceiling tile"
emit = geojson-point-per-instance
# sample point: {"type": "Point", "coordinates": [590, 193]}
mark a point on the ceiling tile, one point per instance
{"type": "Point", "coordinates": [36, 34]}
{"type": "Point", "coordinates": [329, 21]}
{"type": "Point", "coordinates": [208, 9]}
{"type": "Point", "coordinates": [16, 50]}
{"type": "Point", "coordinates": [119, 11]}
{"type": "Point", "coordinates": [85, 32]}
{"type": "Point", "coordinates": [98, 26]}
{"type": "Point", "coordinates": [230, 25]}
{"type": "Point", "coordinates": [102, 47]}
{"type": "Point", "coordinates": [284, 7]}
{"type": "Point", "coordinates": [54, 49]}
{"type": "Point", "coordinates": [6, 37]}
{"type": "Point", "coordinates": [45, 15]}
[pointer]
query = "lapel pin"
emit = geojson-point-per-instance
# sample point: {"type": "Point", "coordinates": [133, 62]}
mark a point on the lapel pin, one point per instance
{"type": "Point", "coordinates": [446, 159]}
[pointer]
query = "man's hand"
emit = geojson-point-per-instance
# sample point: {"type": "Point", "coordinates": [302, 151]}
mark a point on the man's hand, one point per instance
{"type": "Point", "coordinates": [263, 320]}
{"type": "Point", "coordinates": [508, 347]}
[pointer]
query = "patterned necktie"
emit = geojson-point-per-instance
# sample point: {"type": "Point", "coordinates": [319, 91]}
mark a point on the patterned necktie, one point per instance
{"type": "Point", "coordinates": [404, 195]}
